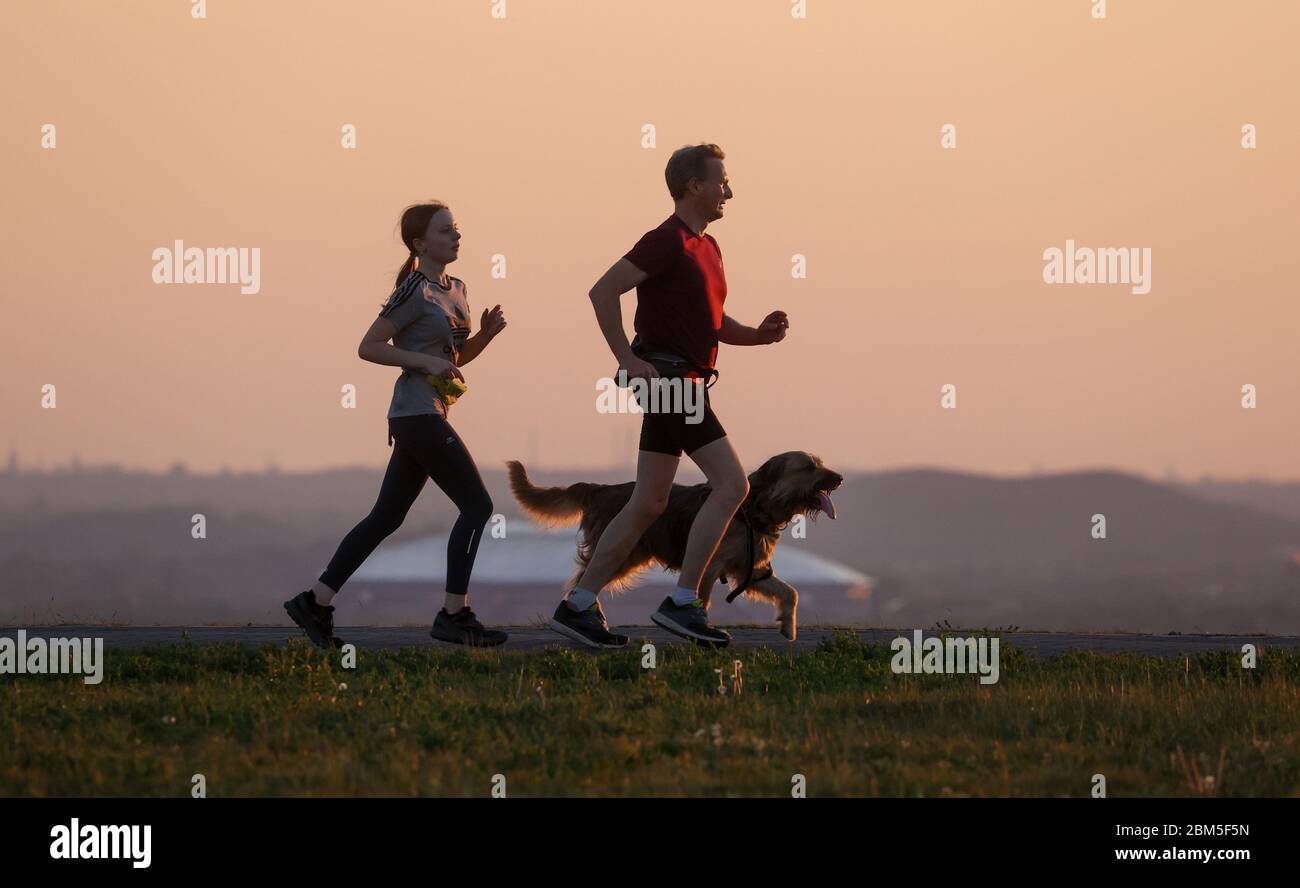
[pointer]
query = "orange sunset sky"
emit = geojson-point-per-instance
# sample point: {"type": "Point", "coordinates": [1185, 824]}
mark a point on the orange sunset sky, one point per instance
{"type": "Point", "coordinates": [924, 264]}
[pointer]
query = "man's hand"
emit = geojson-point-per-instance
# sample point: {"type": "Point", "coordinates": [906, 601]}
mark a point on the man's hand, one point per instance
{"type": "Point", "coordinates": [774, 327]}
{"type": "Point", "coordinates": [635, 368]}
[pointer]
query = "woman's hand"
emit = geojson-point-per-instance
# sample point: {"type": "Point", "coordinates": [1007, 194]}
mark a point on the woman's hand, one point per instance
{"type": "Point", "coordinates": [441, 367]}
{"type": "Point", "coordinates": [493, 321]}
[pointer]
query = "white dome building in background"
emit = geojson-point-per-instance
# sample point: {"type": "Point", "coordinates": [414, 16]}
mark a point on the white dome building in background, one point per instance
{"type": "Point", "coordinates": [517, 580]}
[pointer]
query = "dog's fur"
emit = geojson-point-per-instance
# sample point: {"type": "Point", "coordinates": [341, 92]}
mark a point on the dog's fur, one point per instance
{"type": "Point", "coordinates": [787, 485]}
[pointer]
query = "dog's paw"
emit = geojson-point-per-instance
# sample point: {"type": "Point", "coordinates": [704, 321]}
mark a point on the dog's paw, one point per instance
{"type": "Point", "coordinates": [787, 624]}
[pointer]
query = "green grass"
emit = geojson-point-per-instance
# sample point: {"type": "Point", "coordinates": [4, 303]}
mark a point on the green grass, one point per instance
{"type": "Point", "coordinates": [560, 721]}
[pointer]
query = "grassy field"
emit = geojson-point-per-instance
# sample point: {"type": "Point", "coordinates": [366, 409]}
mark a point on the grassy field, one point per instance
{"type": "Point", "coordinates": [420, 721]}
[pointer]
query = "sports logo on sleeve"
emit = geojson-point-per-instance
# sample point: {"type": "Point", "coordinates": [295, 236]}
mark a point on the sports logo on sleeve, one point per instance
{"type": "Point", "coordinates": [399, 295]}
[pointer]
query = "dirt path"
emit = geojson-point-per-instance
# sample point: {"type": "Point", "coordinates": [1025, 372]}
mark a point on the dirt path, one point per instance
{"type": "Point", "coordinates": [1044, 644]}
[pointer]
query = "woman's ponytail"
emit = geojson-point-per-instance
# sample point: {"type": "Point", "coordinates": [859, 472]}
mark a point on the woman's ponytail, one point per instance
{"type": "Point", "coordinates": [407, 267]}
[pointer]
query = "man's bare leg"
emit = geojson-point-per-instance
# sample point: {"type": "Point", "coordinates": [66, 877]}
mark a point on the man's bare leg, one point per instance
{"type": "Point", "coordinates": [683, 612]}
{"type": "Point", "coordinates": [721, 467]}
{"type": "Point", "coordinates": [654, 480]}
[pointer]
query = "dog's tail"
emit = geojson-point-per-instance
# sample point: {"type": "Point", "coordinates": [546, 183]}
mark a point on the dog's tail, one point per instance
{"type": "Point", "coordinates": [550, 506]}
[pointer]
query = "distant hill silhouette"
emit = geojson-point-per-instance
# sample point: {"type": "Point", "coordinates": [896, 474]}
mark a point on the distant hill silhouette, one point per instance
{"type": "Point", "coordinates": [1277, 497]}
{"type": "Point", "coordinates": [980, 550]}
{"type": "Point", "coordinates": [935, 520]}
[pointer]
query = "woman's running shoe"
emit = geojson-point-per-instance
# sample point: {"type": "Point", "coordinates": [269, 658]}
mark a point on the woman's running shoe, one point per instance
{"type": "Point", "coordinates": [317, 620]}
{"type": "Point", "coordinates": [463, 627]}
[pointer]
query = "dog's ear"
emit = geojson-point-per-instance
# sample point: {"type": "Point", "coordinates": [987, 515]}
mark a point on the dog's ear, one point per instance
{"type": "Point", "coordinates": [768, 473]}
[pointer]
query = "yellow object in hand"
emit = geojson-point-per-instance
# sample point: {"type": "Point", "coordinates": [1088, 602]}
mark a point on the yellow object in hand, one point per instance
{"type": "Point", "coordinates": [450, 389]}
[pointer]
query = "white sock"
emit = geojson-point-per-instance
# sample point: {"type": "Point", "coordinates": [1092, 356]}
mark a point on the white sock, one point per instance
{"type": "Point", "coordinates": [323, 594]}
{"type": "Point", "coordinates": [581, 599]}
{"type": "Point", "coordinates": [682, 596]}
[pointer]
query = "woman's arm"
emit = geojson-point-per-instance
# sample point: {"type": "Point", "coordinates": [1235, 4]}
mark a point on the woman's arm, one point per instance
{"type": "Point", "coordinates": [493, 322]}
{"type": "Point", "coordinates": [472, 348]}
{"type": "Point", "coordinates": [376, 348]}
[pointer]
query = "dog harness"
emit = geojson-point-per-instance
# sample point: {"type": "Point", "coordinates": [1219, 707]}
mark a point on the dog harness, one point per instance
{"type": "Point", "coordinates": [749, 560]}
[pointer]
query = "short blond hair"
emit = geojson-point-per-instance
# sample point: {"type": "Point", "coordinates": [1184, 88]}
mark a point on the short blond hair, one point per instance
{"type": "Point", "coordinates": [687, 163]}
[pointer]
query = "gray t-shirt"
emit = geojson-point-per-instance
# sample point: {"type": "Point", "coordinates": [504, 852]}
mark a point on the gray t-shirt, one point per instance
{"type": "Point", "coordinates": [431, 320]}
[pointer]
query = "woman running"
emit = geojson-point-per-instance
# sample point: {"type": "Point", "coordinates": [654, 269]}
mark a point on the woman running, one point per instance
{"type": "Point", "coordinates": [428, 319]}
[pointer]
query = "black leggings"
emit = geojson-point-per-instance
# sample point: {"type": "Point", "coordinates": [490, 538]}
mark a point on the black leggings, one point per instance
{"type": "Point", "coordinates": [427, 447]}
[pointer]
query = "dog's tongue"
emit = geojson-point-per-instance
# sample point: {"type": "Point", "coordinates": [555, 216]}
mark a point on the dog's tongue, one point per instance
{"type": "Point", "coordinates": [827, 506]}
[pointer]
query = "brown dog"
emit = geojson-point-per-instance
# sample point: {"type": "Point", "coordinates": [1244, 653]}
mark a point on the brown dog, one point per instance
{"type": "Point", "coordinates": [789, 484]}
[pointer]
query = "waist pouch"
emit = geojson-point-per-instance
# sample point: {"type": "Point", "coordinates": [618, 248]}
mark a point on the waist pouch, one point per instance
{"type": "Point", "coordinates": [449, 388]}
{"type": "Point", "coordinates": [669, 364]}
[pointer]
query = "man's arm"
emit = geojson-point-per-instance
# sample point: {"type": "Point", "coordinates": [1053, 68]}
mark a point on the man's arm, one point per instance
{"type": "Point", "coordinates": [605, 299]}
{"type": "Point", "coordinates": [733, 332]}
{"type": "Point", "coordinates": [773, 328]}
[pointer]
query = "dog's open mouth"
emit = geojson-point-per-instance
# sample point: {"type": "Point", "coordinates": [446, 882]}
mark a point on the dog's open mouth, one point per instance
{"type": "Point", "coordinates": [824, 503]}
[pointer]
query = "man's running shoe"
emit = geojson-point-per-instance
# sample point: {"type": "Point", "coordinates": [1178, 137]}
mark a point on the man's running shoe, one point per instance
{"type": "Point", "coordinates": [690, 621]}
{"type": "Point", "coordinates": [586, 627]}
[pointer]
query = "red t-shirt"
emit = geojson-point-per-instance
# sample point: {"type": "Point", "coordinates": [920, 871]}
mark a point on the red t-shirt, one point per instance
{"type": "Point", "coordinates": [679, 304]}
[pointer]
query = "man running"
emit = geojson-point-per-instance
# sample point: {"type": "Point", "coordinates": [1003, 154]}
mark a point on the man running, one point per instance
{"type": "Point", "coordinates": [680, 288]}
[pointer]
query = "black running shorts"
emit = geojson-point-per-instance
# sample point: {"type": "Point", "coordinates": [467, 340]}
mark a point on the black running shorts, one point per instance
{"type": "Point", "coordinates": [672, 434]}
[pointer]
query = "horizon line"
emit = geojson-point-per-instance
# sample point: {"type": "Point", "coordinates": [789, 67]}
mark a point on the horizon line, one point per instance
{"type": "Point", "coordinates": [181, 469]}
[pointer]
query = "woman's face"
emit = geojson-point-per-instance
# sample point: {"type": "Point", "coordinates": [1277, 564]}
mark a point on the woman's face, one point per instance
{"type": "Point", "coordinates": [441, 242]}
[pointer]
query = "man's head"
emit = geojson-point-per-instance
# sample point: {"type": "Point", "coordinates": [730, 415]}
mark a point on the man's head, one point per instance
{"type": "Point", "coordinates": [697, 178]}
